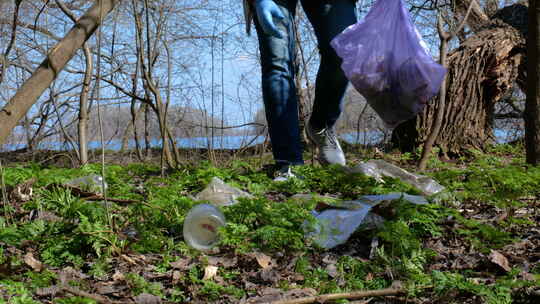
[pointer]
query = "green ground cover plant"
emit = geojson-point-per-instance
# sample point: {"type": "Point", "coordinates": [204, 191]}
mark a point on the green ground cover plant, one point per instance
{"type": "Point", "coordinates": [442, 252]}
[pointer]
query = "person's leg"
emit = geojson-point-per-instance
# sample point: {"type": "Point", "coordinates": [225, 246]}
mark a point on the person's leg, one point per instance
{"type": "Point", "coordinates": [279, 93]}
{"type": "Point", "coordinates": [329, 18]}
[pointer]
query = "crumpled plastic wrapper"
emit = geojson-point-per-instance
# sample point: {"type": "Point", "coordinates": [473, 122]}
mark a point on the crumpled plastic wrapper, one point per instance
{"type": "Point", "coordinates": [334, 226]}
{"type": "Point", "coordinates": [221, 194]}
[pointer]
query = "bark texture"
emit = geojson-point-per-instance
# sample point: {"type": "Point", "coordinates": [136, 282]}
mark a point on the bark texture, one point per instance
{"type": "Point", "coordinates": [532, 107]}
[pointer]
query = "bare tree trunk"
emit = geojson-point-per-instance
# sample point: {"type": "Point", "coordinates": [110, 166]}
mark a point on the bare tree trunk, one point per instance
{"type": "Point", "coordinates": [83, 100]}
{"type": "Point", "coordinates": [83, 107]}
{"type": "Point", "coordinates": [445, 37]}
{"type": "Point", "coordinates": [130, 129]}
{"type": "Point", "coordinates": [49, 69]}
{"type": "Point", "coordinates": [304, 98]}
{"type": "Point", "coordinates": [168, 103]}
{"type": "Point", "coordinates": [532, 106]}
{"type": "Point", "coordinates": [28, 133]}
{"type": "Point", "coordinates": [134, 116]}
{"type": "Point", "coordinates": [150, 86]}
{"type": "Point", "coordinates": [147, 138]}
{"type": "Point", "coordinates": [135, 113]}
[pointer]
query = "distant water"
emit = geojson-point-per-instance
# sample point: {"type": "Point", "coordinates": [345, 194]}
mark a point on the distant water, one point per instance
{"type": "Point", "coordinates": [217, 142]}
{"type": "Point", "coordinates": [236, 141]}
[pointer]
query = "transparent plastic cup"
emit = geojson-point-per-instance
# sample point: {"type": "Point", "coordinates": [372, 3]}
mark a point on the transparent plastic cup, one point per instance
{"type": "Point", "coordinates": [201, 226]}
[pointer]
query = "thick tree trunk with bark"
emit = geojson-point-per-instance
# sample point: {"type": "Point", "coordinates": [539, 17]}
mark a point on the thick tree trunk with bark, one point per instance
{"type": "Point", "coordinates": [481, 71]}
{"type": "Point", "coordinates": [532, 107]}
{"type": "Point", "coordinates": [49, 69]}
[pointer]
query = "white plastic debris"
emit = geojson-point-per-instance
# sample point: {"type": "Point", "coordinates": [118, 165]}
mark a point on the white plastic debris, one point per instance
{"type": "Point", "coordinates": [334, 226]}
{"type": "Point", "coordinates": [377, 168]}
{"type": "Point", "coordinates": [91, 183]}
{"type": "Point", "coordinates": [220, 194]}
{"type": "Point", "coordinates": [201, 226]}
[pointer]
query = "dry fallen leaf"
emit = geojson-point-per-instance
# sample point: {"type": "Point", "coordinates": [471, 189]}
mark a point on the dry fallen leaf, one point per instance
{"type": "Point", "coordinates": [181, 264]}
{"type": "Point", "coordinates": [68, 274]}
{"type": "Point", "coordinates": [263, 260]}
{"type": "Point", "coordinates": [397, 284]}
{"type": "Point", "coordinates": [210, 272]}
{"type": "Point", "coordinates": [224, 261]}
{"type": "Point", "coordinates": [369, 277]}
{"type": "Point", "coordinates": [176, 275]}
{"type": "Point", "coordinates": [269, 275]}
{"type": "Point", "coordinates": [106, 289]}
{"type": "Point", "coordinates": [32, 262]}
{"type": "Point", "coordinates": [499, 259]}
{"type": "Point", "coordinates": [128, 259]}
{"type": "Point", "coordinates": [527, 276]}
{"type": "Point", "coordinates": [24, 191]}
{"type": "Point", "coordinates": [118, 276]}
{"type": "Point", "coordinates": [146, 298]}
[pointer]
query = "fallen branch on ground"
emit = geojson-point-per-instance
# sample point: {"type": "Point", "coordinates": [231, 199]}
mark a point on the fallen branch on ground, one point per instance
{"type": "Point", "coordinates": [346, 295]}
{"type": "Point", "coordinates": [78, 292]}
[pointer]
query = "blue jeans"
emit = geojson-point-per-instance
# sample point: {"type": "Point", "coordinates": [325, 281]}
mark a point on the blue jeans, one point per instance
{"type": "Point", "coordinates": [328, 18]}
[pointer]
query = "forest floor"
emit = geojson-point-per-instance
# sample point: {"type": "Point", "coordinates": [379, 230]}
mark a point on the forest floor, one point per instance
{"type": "Point", "coordinates": [479, 245]}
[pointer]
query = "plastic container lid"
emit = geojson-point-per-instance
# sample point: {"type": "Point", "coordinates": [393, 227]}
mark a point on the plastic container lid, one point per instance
{"type": "Point", "coordinates": [201, 226]}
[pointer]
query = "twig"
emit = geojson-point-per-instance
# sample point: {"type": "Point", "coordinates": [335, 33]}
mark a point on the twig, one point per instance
{"type": "Point", "coordinates": [114, 200]}
{"type": "Point", "coordinates": [4, 197]}
{"type": "Point", "coordinates": [347, 295]}
{"type": "Point", "coordinates": [95, 297]}
{"type": "Point", "coordinates": [97, 91]}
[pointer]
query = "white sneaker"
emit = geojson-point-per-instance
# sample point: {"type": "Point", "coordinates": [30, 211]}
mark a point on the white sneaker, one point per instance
{"type": "Point", "coordinates": [284, 174]}
{"type": "Point", "coordinates": [327, 144]}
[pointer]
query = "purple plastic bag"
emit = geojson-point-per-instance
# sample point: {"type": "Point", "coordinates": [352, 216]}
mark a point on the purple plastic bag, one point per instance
{"type": "Point", "coordinates": [387, 61]}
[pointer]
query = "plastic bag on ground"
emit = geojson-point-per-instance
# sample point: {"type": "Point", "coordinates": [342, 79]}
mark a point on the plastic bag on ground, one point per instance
{"type": "Point", "coordinates": [90, 183]}
{"type": "Point", "coordinates": [220, 194]}
{"type": "Point", "coordinates": [334, 226]}
{"type": "Point", "coordinates": [377, 168]}
{"type": "Point", "coordinates": [386, 60]}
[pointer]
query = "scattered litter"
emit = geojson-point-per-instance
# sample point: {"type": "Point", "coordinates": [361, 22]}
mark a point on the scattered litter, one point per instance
{"type": "Point", "coordinates": [221, 194]}
{"type": "Point", "coordinates": [335, 224]}
{"type": "Point", "coordinates": [388, 62]}
{"type": "Point", "coordinates": [201, 226]}
{"type": "Point", "coordinates": [377, 168]}
{"type": "Point", "coordinates": [90, 183]}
